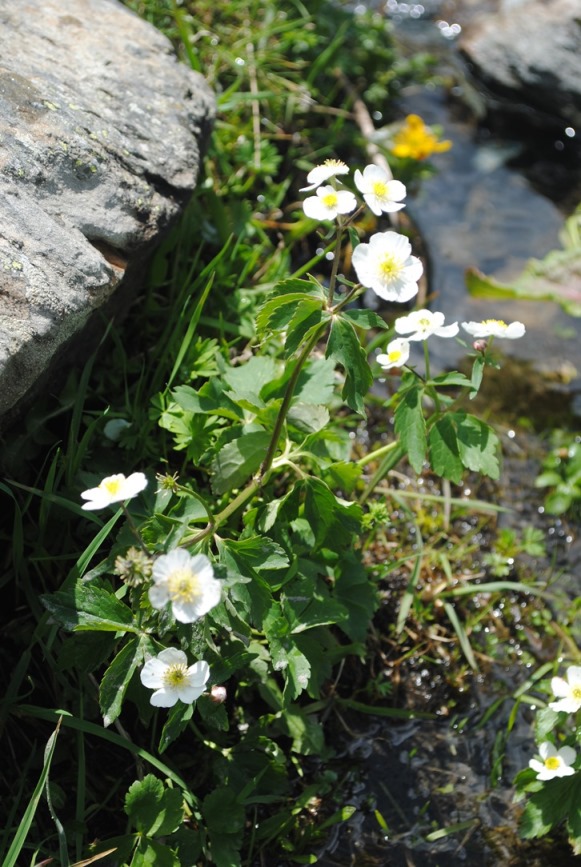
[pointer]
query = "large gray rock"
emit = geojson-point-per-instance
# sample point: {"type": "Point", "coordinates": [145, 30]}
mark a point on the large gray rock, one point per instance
{"type": "Point", "coordinates": [100, 137]}
{"type": "Point", "coordinates": [530, 53]}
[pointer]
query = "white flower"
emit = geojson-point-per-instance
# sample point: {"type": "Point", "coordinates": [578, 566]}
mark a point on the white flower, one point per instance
{"type": "Point", "coordinates": [322, 173]}
{"type": "Point", "coordinates": [381, 193]}
{"type": "Point", "coordinates": [185, 581]}
{"type": "Point", "coordinates": [114, 489]}
{"type": "Point", "coordinates": [421, 324]}
{"type": "Point", "coordinates": [494, 328]}
{"type": "Point", "coordinates": [397, 353]}
{"type": "Point", "coordinates": [568, 691]}
{"type": "Point", "coordinates": [328, 203]}
{"type": "Point", "coordinates": [171, 678]}
{"type": "Point", "coordinates": [556, 763]}
{"type": "Point", "coordinates": [386, 266]}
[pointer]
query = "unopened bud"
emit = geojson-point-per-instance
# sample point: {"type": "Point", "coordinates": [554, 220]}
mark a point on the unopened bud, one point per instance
{"type": "Point", "coordinates": [480, 345]}
{"type": "Point", "coordinates": [218, 694]}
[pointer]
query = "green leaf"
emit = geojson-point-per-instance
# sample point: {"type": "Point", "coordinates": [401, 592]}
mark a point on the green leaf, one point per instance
{"type": "Point", "coordinates": [88, 606]}
{"type": "Point", "coordinates": [444, 452]}
{"type": "Point", "coordinates": [116, 680]}
{"type": "Point", "coordinates": [478, 444]}
{"type": "Point", "coordinates": [410, 426]}
{"type": "Point", "coordinates": [276, 313]}
{"type": "Point", "coordinates": [358, 596]}
{"type": "Point", "coordinates": [238, 460]}
{"type": "Point", "coordinates": [259, 552]}
{"type": "Point", "coordinates": [453, 378]}
{"type": "Point", "coordinates": [365, 318]}
{"type": "Point", "coordinates": [308, 418]}
{"type": "Point", "coordinates": [345, 349]}
{"type": "Point", "coordinates": [344, 474]}
{"type": "Point", "coordinates": [307, 318]}
{"type": "Point", "coordinates": [477, 374]}
{"type": "Point", "coordinates": [545, 721]}
{"type": "Point", "coordinates": [297, 674]}
{"type": "Point", "coordinates": [177, 720]}
{"type": "Point", "coordinates": [153, 809]}
{"type": "Point", "coordinates": [247, 380]}
{"type": "Point", "coordinates": [149, 853]}
{"type": "Point", "coordinates": [316, 382]}
{"type": "Point", "coordinates": [223, 812]}
{"type": "Point", "coordinates": [327, 514]}
{"type": "Point", "coordinates": [213, 713]}
{"type": "Point", "coordinates": [305, 731]}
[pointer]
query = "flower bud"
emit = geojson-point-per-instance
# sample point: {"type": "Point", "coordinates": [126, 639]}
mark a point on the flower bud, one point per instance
{"type": "Point", "coordinates": [218, 694]}
{"type": "Point", "coordinates": [480, 345]}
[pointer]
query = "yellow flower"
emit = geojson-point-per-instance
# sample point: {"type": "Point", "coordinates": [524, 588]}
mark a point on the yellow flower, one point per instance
{"type": "Point", "coordinates": [416, 140]}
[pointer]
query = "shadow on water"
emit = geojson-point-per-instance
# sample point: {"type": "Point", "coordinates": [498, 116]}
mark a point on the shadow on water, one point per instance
{"type": "Point", "coordinates": [438, 793]}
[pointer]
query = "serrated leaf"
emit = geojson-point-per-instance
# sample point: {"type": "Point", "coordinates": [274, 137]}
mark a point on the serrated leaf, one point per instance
{"type": "Point", "coordinates": [478, 445]}
{"type": "Point", "coordinates": [89, 607]}
{"type": "Point", "coordinates": [259, 552]}
{"type": "Point", "coordinates": [308, 418]}
{"type": "Point", "coordinates": [344, 474]}
{"type": "Point", "coordinates": [305, 731]}
{"type": "Point", "coordinates": [150, 853]}
{"type": "Point", "coordinates": [153, 809]}
{"type": "Point", "coordinates": [247, 380]}
{"type": "Point", "coordinates": [238, 460]}
{"type": "Point", "coordinates": [177, 720]}
{"type": "Point", "coordinates": [316, 382]}
{"type": "Point", "coordinates": [444, 453]}
{"type": "Point", "coordinates": [276, 313]}
{"type": "Point", "coordinates": [116, 679]}
{"type": "Point", "coordinates": [297, 674]}
{"type": "Point", "coordinates": [365, 318]}
{"type": "Point", "coordinates": [308, 316]}
{"type": "Point", "coordinates": [223, 812]}
{"type": "Point", "coordinates": [410, 426]}
{"type": "Point", "coordinates": [327, 514]}
{"type": "Point", "coordinates": [345, 349]}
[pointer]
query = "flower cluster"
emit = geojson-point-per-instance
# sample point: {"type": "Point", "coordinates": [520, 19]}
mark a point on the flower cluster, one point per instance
{"type": "Point", "coordinates": [559, 762]}
{"type": "Point", "coordinates": [414, 140]}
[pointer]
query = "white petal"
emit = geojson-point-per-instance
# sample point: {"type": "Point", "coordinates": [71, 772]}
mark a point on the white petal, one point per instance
{"type": "Point", "coordinates": [185, 612]}
{"type": "Point", "coordinates": [158, 595]}
{"type": "Point", "coordinates": [316, 210]}
{"type": "Point", "coordinates": [136, 483]}
{"type": "Point", "coordinates": [168, 563]}
{"type": "Point", "coordinates": [152, 673]}
{"type": "Point", "coordinates": [567, 754]}
{"type": "Point", "coordinates": [547, 750]}
{"type": "Point", "coordinates": [560, 687]}
{"type": "Point", "coordinates": [565, 705]}
{"type": "Point", "coordinates": [189, 693]}
{"type": "Point", "coordinates": [574, 674]}
{"type": "Point", "coordinates": [515, 330]}
{"type": "Point", "coordinates": [198, 673]}
{"type": "Point", "coordinates": [173, 656]}
{"type": "Point", "coordinates": [447, 330]}
{"type": "Point", "coordinates": [536, 765]}
{"type": "Point", "coordinates": [164, 698]}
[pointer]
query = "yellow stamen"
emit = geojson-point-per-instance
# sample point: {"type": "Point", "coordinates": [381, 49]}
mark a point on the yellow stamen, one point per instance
{"type": "Point", "coordinates": [389, 267]}
{"type": "Point", "coordinates": [495, 322]}
{"type": "Point", "coordinates": [552, 763]}
{"type": "Point", "coordinates": [425, 323]}
{"type": "Point", "coordinates": [394, 356]}
{"type": "Point", "coordinates": [330, 200]}
{"type": "Point", "coordinates": [175, 675]}
{"type": "Point", "coordinates": [576, 693]}
{"type": "Point", "coordinates": [379, 189]}
{"type": "Point", "coordinates": [111, 486]}
{"type": "Point", "coordinates": [183, 585]}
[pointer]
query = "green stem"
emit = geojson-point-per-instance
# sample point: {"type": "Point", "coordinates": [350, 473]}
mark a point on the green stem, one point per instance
{"type": "Point", "coordinates": [335, 267]}
{"type": "Point", "coordinates": [286, 401]}
{"type": "Point", "coordinates": [226, 513]}
{"type": "Point", "coordinates": [134, 530]}
{"type": "Point", "coordinates": [392, 457]}
{"type": "Point", "coordinates": [377, 454]}
{"type": "Point", "coordinates": [433, 391]}
{"type": "Point", "coordinates": [348, 297]}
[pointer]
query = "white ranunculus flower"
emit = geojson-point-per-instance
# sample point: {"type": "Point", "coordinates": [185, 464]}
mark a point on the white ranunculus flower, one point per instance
{"type": "Point", "coordinates": [555, 763]}
{"type": "Point", "coordinates": [494, 328]}
{"type": "Point", "coordinates": [114, 489]}
{"type": "Point", "coordinates": [320, 174]}
{"type": "Point", "coordinates": [387, 266]}
{"type": "Point", "coordinates": [567, 690]}
{"type": "Point", "coordinates": [328, 203]}
{"type": "Point", "coordinates": [421, 324]}
{"type": "Point", "coordinates": [185, 581]}
{"type": "Point", "coordinates": [172, 679]}
{"type": "Point", "coordinates": [396, 354]}
{"type": "Point", "coordinates": [380, 192]}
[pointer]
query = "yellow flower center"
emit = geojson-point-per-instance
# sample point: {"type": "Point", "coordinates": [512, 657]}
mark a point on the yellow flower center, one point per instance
{"type": "Point", "coordinates": [576, 693]}
{"type": "Point", "coordinates": [552, 763]}
{"type": "Point", "coordinates": [394, 356]}
{"type": "Point", "coordinates": [388, 266]}
{"type": "Point", "coordinates": [379, 189]}
{"type": "Point", "coordinates": [183, 585]}
{"type": "Point", "coordinates": [175, 675]}
{"type": "Point", "coordinates": [424, 323]}
{"type": "Point", "coordinates": [112, 486]}
{"type": "Point", "coordinates": [330, 200]}
{"type": "Point", "coordinates": [335, 164]}
{"type": "Point", "coordinates": [498, 322]}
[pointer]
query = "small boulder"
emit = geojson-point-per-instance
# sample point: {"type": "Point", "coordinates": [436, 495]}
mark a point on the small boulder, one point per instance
{"type": "Point", "coordinates": [101, 131]}
{"type": "Point", "coordinates": [528, 56]}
